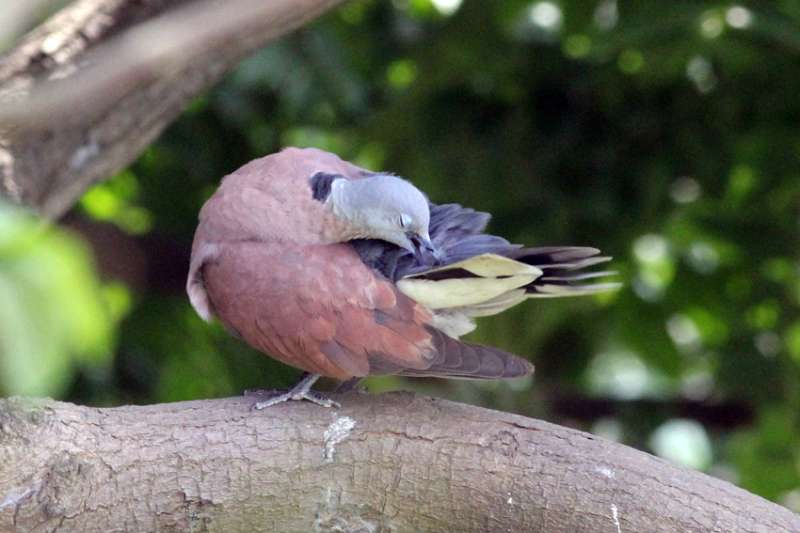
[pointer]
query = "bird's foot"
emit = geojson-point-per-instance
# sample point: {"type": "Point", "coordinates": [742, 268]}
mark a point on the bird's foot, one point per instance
{"type": "Point", "coordinates": [301, 391]}
{"type": "Point", "coordinates": [351, 385]}
{"type": "Point", "coordinates": [310, 395]}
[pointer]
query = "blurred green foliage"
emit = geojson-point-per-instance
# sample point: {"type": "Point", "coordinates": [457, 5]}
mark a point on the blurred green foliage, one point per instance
{"type": "Point", "coordinates": [54, 316]}
{"type": "Point", "coordinates": [664, 133]}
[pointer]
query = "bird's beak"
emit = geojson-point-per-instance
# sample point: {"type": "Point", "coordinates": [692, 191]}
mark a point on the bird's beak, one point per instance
{"type": "Point", "coordinates": [424, 249]}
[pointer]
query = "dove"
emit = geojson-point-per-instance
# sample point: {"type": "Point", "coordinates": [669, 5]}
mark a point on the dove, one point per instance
{"type": "Point", "coordinates": [346, 273]}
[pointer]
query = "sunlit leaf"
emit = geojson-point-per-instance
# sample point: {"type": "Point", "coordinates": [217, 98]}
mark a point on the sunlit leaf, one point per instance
{"type": "Point", "coordinates": [52, 315]}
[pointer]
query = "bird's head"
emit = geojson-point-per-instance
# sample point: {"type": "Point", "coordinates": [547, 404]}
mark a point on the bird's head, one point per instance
{"type": "Point", "coordinates": [380, 206]}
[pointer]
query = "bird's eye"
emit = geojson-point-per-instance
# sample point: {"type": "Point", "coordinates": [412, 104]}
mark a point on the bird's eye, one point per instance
{"type": "Point", "coordinates": [405, 220]}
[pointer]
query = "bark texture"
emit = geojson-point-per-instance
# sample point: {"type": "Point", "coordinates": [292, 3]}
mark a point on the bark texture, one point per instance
{"type": "Point", "coordinates": [394, 462]}
{"type": "Point", "coordinates": [84, 94]}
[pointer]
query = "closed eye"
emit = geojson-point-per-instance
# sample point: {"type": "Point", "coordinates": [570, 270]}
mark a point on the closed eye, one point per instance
{"type": "Point", "coordinates": [405, 220]}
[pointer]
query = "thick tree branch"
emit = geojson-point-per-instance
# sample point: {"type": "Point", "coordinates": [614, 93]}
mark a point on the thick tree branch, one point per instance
{"type": "Point", "coordinates": [394, 462]}
{"type": "Point", "coordinates": [81, 97]}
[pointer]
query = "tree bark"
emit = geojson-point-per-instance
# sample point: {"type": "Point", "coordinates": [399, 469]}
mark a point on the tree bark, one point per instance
{"type": "Point", "coordinates": [392, 462]}
{"type": "Point", "coordinates": [85, 93]}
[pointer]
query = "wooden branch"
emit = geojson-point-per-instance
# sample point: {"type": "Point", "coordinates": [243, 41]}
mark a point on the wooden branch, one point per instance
{"type": "Point", "coordinates": [392, 462]}
{"type": "Point", "coordinates": [84, 94]}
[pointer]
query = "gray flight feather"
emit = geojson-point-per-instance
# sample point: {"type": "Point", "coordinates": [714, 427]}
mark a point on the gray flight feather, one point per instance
{"type": "Point", "coordinates": [457, 234]}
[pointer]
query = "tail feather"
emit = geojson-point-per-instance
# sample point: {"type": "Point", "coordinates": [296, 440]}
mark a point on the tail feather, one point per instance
{"type": "Point", "coordinates": [456, 359]}
{"type": "Point", "coordinates": [579, 276]}
{"type": "Point", "coordinates": [558, 291]}
{"type": "Point", "coordinates": [553, 254]}
{"type": "Point", "coordinates": [487, 284]}
{"type": "Point", "coordinates": [559, 266]}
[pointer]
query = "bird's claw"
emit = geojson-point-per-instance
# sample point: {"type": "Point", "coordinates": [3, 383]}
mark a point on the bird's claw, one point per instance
{"type": "Point", "coordinates": [300, 391]}
{"type": "Point", "coordinates": [309, 395]}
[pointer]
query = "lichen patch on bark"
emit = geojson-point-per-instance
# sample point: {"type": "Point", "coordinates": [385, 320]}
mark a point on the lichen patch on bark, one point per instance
{"type": "Point", "coordinates": [337, 432]}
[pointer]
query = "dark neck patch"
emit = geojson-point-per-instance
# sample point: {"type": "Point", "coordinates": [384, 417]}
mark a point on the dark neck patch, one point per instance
{"type": "Point", "coordinates": [321, 184]}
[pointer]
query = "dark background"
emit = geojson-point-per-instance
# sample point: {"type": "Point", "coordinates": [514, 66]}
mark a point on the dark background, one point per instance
{"type": "Point", "coordinates": [665, 133]}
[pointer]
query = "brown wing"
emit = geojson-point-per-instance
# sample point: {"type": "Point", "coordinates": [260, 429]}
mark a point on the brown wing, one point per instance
{"type": "Point", "coordinates": [318, 308]}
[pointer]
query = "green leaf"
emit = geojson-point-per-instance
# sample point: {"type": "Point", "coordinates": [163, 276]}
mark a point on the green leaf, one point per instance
{"type": "Point", "coordinates": [52, 314]}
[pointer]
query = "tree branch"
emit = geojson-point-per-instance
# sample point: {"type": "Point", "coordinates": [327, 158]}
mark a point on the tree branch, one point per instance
{"type": "Point", "coordinates": [392, 462]}
{"type": "Point", "coordinates": [85, 93]}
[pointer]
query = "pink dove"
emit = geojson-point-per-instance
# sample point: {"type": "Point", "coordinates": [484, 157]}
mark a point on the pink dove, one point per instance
{"type": "Point", "coordinates": [343, 272]}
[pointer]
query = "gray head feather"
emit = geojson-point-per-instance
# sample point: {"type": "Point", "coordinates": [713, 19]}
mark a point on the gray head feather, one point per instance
{"type": "Point", "coordinates": [383, 207]}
